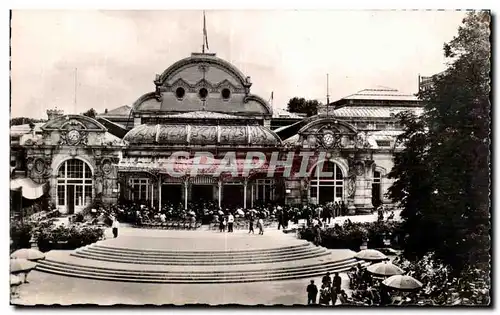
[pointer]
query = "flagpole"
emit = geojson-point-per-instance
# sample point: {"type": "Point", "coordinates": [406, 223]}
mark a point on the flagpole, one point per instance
{"type": "Point", "coordinates": [327, 94]}
{"type": "Point", "coordinates": [203, 34]}
{"type": "Point", "coordinates": [76, 87]}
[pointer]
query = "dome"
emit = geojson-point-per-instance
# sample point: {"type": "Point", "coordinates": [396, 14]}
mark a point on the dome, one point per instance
{"type": "Point", "coordinates": [228, 71]}
{"type": "Point", "coordinates": [203, 82]}
{"type": "Point", "coordinates": [185, 134]}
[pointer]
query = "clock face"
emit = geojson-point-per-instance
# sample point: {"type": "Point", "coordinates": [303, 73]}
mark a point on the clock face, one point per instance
{"type": "Point", "coordinates": [73, 137]}
{"type": "Point", "coordinates": [106, 167]}
{"type": "Point", "coordinates": [328, 139]}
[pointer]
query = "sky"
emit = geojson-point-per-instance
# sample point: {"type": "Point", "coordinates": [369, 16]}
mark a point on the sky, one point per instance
{"type": "Point", "coordinates": [118, 53]}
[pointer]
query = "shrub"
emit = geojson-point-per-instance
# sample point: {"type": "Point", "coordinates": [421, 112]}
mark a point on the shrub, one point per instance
{"type": "Point", "coordinates": [79, 218]}
{"type": "Point", "coordinates": [68, 238]}
{"type": "Point", "coordinates": [20, 235]}
{"type": "Point", "coordinates": [471, 287]}
{"type": "Point", "coordinates": [352, 235]}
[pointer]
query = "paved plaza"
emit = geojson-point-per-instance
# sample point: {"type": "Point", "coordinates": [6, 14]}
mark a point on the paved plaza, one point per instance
{"type": "Point", "coordinates": [46, 288]}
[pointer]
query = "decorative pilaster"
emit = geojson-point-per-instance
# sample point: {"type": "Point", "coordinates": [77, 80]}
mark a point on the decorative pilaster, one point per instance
{"type": "Point", "coordinates": [245, 185]}
{"type": "Point", "coordinates": [186, 186]}
{"type": "Point", "coordinates": [351, 185]}
{"type": "Point", "coordinates": [159, 192]}
{"type": "Point", "coordinates": [219, 186]}
{"type": "Point", "coordinates": [363, 194]}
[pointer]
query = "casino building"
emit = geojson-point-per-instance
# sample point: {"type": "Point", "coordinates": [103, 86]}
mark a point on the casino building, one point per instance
{"type": "Point", "coordinates": [204, 104]}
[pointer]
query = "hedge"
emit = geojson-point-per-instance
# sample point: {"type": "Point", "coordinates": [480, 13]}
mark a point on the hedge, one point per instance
{"type": "Point", "coordinates": [68, 238]}
{"type": "Point", "coordinates": [352, 235]}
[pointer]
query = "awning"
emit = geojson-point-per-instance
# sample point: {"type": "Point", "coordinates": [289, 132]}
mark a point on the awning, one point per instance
{"type": "Point", "coordinates": [199, 166]}
{"type": "Point", "coordinates": [30, 189]}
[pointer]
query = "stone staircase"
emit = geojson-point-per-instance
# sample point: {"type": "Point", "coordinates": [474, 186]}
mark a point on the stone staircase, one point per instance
{"type": "Point", "coordinates": [126, 262]}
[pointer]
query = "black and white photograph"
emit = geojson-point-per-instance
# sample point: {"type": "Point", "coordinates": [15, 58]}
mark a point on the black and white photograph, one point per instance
{"type": "Point", "coordinates": [306, 158]}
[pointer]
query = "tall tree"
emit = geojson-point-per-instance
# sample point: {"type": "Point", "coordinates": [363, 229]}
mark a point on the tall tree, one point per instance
{"type": "Point", "coordinates": [452, 145]}
{"type": "Point", "coordinates": [301, 105]}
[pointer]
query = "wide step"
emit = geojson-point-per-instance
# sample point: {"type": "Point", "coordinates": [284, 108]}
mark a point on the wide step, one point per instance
{"type": "Point", "coordinates": [204, 259]}
{"type": "Point", "coordinates": [143, 276]}
{"type": "Point", "coordinates": [199, 257]}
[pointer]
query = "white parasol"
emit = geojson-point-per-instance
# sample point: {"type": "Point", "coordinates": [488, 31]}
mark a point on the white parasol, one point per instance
{"type": "Point", "coordinates": [28, 253]}
{"type": "Point", "coordinates": [21, 265]}
{"type": "Point", "coordinates": [370, 254]}
{"type": "Point", "coordinates": [385, 269]}
{"type": "Point", "coordinates": [401, 282]}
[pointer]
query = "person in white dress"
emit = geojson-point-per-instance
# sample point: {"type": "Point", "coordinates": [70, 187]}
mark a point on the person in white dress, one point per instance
{"type": "Point", "coordinates": [115, 227]}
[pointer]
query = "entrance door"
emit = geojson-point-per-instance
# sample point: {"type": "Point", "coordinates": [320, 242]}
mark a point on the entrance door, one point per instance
{"type": "Point", "coordinates": [71, 199]}
{"type": "Point", "coordinates": [326, 194]}
{"type": "Point", "coordinates": [172, 194]}
{"type": "Point", "coordinates": [232, 196]}
{"type": "Point", "coordinates": [376, 195]}
{"type": "Point", "coordinates": [376, 189]}
{"type": "Point", "coordinates": [202, 193]}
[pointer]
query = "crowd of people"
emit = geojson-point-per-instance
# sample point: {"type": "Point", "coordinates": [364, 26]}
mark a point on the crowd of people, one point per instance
{"type": "Point", "coordinates": [209, 212]}
{"type": "Point", "coordinates": [367, 290]}
{"type": "Point", "coordinates": [330, 291]}
{"type": "Point", "coordinates": [172, 216]}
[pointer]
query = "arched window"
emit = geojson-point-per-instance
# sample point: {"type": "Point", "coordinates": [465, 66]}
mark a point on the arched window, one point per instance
{"type": "Point", "coordinates": [327, 183]}
{"type": "Point", "coordinates": [74, 184]}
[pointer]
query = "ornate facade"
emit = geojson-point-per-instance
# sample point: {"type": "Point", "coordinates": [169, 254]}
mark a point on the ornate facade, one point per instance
{"type": "Point", "coordinates": [204, 104]}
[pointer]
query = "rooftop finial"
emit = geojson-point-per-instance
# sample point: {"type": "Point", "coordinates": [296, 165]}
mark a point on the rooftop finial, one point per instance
{"type": "Point", "coordinates": [205, 36]}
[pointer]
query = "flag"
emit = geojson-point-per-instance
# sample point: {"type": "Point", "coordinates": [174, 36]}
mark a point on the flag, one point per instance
{"type": "Point", "coordinates": [205, 36]}
{"type": "Point", "coordinates": [272, 97]}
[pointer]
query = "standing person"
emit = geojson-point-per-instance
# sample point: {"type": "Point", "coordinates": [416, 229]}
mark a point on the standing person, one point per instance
{"type": "Point", "coordinates": [115, 227]}
{"type": "Point", "coordinates": [380, 213]}
{"type": "Point", "coordinates": [336, 285]}
{"type": "Point", "coordinates": [222, 224]}
{"type": "Point", "coordinates": [230, 222]}
{"type": "Point", "coordinates": [336, 208]}
{"type": "Point", "coordinates": [250, 224]}
{"type": "Point", "coordinates": [343, 208]}
{"type": "Point", "coordinates": [286, 218]}
{"type": "Point", "coordinates": [326, 279]}
{"type": "Point", "coordinates": [333, 295]}
{"type": "Point", "coordinates": [317, 238]}
{"type": "Point", "coordinates": [324, 296]}
{"type": "Point", "coordinates": [260, 224]}
{"type": "Point", "coordinates": [312, 292]}
{"type": "Point", "coordinates": [329, 213]}
{"type": "Point", "coordinates": [385, 298]}
{"type": "Point", "coordinates": [337, 282]}
{"type": "Point", "coordinates": [280, 219]}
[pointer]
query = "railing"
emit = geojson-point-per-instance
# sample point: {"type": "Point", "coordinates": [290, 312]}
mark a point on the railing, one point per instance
{"type": "Point", "coordinates": [242, 225]}
{"type": "Point", "coordinates": [171, 225]}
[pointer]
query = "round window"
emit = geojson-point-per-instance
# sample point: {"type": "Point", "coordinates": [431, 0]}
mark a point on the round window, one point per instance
{"type": "Point", "coordinates": [203, 93]}
{"type": "Point", "coordinates": [226, 93]}
{"type": "Point", "coordinates": [179, 92]}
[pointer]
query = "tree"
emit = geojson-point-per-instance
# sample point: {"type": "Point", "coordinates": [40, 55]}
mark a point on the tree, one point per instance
{"type": "Point", "coordinates": [301, 105]}
{"type": "Point", "coordinates": [450, 146]}
{"type": "Point", "coordinates": [23, 121]}
{"type": "Point", "coordinates": [92, 113]}
{"type": "Point", "coordinates": [412, 187]}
